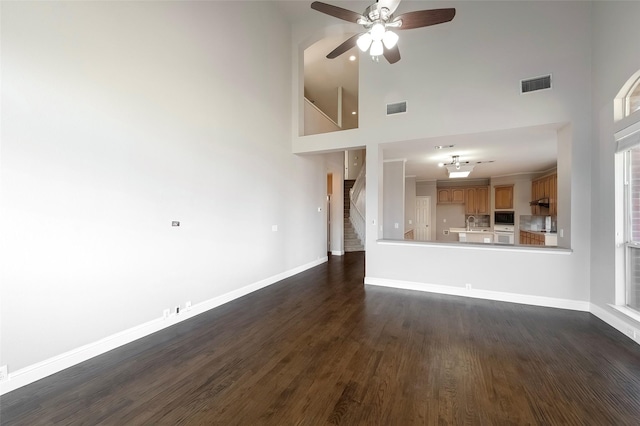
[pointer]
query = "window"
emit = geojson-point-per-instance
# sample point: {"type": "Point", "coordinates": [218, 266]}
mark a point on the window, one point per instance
{"type": "Point", "coordinates": [631, 164]}
{"type": "Point", "coordinates": [627, 194]}
{"type": "Point", "coordinates": [632, 98]}
{"type": "Point", "coordinates": [628, 217]}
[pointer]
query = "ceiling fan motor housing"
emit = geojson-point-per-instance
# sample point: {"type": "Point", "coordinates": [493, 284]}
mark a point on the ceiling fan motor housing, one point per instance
{"type": "Point", "coordinates": [375, 12]}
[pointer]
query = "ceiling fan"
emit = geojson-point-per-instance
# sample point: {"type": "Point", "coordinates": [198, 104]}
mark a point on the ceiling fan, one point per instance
{"type": "Point", "coordinates": [378, 20]}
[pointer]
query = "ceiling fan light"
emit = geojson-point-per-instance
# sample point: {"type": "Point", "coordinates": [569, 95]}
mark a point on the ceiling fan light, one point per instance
{"type": "Point", "coordinates": [376, 48]}
{"type": "Point", "coordinates": [377, 31]}
{"type": "Point", "coordinates": [364, 41]}
{"type": "Point", "coordinates": [390, 39]}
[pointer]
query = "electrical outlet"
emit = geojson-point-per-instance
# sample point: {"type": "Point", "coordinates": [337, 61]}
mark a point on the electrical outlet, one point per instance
{"type": "Point", "coordinates": [166, 313]}
{"type": "Point", "coordinates": [468, 286]}
{"type": "Point", "coordinates": [4, 375]}
{"type": "Point", "coordinates": [187, 305]}
{"type": "Point", "coordinates": [631, 333]}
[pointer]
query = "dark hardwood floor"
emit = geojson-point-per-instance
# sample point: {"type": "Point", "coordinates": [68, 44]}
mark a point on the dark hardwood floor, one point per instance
{"type": "Point", "coordinates": [320, 348]}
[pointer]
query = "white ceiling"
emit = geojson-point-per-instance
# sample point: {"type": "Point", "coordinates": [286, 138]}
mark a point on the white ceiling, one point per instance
{"type": "Point", "coordinates": [526, 150]}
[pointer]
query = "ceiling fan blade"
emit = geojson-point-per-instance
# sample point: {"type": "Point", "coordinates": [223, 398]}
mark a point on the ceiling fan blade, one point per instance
{"type": "Point", "coordinates": [347, 45]}
{"type": "Point", "coordinates": [392, 5]}
{"type": "Point", "coordinates": [336, 11]}
{"type": "Point", "coordinates": [392, 55]}
{"type": "Point", "coordinates": [424, 18]}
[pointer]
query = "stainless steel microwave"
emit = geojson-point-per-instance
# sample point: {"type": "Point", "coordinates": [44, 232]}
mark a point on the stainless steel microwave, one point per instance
{"type": "Point", "coordinates": [503, 218]}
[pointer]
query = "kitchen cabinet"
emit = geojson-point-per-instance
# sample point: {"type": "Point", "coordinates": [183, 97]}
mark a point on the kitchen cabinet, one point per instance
{"type": "Point", "coordinates": [503, 197]}
{"type": "Point", "coordinates": [553, 195]}
{"type": "Point", "coordinates": [538, 238]}
{"type": "Point", "coordinates": [545, 187]}
{"type": "Point", "coordinates": [477, 200]}
{"type": "Point", "coordinates": [476, 237]}
{"type": "Point", "coordinates": [451, 196]}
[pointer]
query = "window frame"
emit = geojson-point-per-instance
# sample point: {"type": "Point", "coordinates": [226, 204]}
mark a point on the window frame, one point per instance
{"type": "Point", "coordinates": [627, 98]}
{"type": "Point", "coordinates": [626, 139]}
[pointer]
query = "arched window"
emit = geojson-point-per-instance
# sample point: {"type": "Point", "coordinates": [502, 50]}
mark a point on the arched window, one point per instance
{"type": "Point", "coordinates": [632, 100]}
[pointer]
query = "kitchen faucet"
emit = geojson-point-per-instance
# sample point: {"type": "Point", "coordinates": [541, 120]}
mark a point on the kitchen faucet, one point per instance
{"type": "Point", "coordinates": [469, 220]}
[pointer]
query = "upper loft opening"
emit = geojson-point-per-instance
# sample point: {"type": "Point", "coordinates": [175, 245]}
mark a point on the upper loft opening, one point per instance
{"type": "Point", "coordinates": [330, 87]}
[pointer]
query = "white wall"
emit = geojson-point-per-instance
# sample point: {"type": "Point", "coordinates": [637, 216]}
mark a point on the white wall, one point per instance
{"type": "Point", "coordinates": [355, 159]}
{"type": "Point", "coordinates": [119, 117]}
{"type": "Point", "coordinates": [462, 78]}
{"type": "Point", "coordinates": [393, 200]}
{"type": "Point", "coordinates": [409, 203]}
{"type": "Point", "coordinates": [335, 166]}
{"type": "Point", "coordinates": [316, 121]}
{"type": "Point", "coordinates": [615, 59]}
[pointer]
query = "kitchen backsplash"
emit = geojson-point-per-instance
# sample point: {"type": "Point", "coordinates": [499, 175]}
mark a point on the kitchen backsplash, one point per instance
{"type": "Point", "coordinates": [482, 221]}
{"type": "Point", "coordinates": [536, 223]}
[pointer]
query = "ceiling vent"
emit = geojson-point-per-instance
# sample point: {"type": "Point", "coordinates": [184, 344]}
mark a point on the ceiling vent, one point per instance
{"type": "Point", "coordinates": [535, 84]}
{"type": "Point", "coordinates": [397, 108]}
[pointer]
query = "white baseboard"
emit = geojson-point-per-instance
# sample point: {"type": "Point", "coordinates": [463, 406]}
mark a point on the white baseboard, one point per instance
{"type": "Point", "coordinates": [337, 252]}
{"type": "Point", "coordinates": [551, 302]}
{"type": "Point", "coordinates": [619, 324]}
{"type": "Point", "coordinates": [45, 368]}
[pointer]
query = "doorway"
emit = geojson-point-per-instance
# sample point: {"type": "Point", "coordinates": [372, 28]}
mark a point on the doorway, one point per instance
{"type": "Point", "coordinates": [423, 218]}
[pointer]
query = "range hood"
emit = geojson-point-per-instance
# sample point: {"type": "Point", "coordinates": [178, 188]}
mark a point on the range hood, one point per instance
{"type": "Point", "coordinates": [542, 202]}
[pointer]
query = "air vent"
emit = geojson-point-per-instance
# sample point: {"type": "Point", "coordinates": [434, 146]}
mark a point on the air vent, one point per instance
{"type": "Point", "coordinates": [534, 84]}
{"type": "Point", "coordinates": [397, 108]}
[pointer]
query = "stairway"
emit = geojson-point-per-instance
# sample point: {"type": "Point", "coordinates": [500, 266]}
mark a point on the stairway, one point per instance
{"type": "Point", "coordinates": [351, 240]}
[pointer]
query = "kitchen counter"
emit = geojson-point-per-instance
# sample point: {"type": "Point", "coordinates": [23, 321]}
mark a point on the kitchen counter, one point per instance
{"type": "Point", "coordinates": [474, 235]}
{"type": "Point", "coordinates": [472, 230]}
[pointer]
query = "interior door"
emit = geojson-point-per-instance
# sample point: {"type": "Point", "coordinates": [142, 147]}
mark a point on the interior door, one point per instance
{"type": "Point", "coordinates": [423, 219]}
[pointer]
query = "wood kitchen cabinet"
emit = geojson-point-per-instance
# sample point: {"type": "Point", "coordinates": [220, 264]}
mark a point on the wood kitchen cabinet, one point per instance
{"type": "Point", "coordinates": [553, 195]}
{"type": "Point", "coordinates": [545, 187]}
{"type": "Point", "coordinates": [451, 196]}
{"type": "Point", "coordinates": [532, 238]}
{"type": "Point", "coordinates": [477, 200]}
{"type": "Point", "coordinates": [503, 197]}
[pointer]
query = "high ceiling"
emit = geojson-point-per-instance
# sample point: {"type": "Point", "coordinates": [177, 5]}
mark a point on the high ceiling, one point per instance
{"type": "Point", "coordinates": [526, 150]}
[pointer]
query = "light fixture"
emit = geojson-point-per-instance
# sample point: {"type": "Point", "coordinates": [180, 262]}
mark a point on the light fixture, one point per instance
{"type": "Point", "coordinates": [377, 31]}
{"type": "Point", "coordinates": [352, 58]}
{"type": "Point", "coordinates": [456, 168]}
{"type": "Point", "coordinates": [376, 48]}
{"type": "Point", "coordinates": [459, 171]}
{"type": "Point", "coordinates": [364, 41]}
{"type": "Point", "coordinates": [373, 40]}
{"type": "Point", "coordinates": [390, 39]}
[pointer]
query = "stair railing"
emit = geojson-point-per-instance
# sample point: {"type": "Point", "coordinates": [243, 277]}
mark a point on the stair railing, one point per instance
{"type": "Point", "coordinates": [357, 206]}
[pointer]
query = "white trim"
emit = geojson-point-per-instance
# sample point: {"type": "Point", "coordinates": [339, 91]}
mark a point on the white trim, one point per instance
{"type": "Point", "coordinates": [337, 252]}
{"type": "Point", "coordinates": [45, 368]}
{"type": "Point", "coordinates": [616, 322]}
{"type": "Point", "coordinates": [550, 302]}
